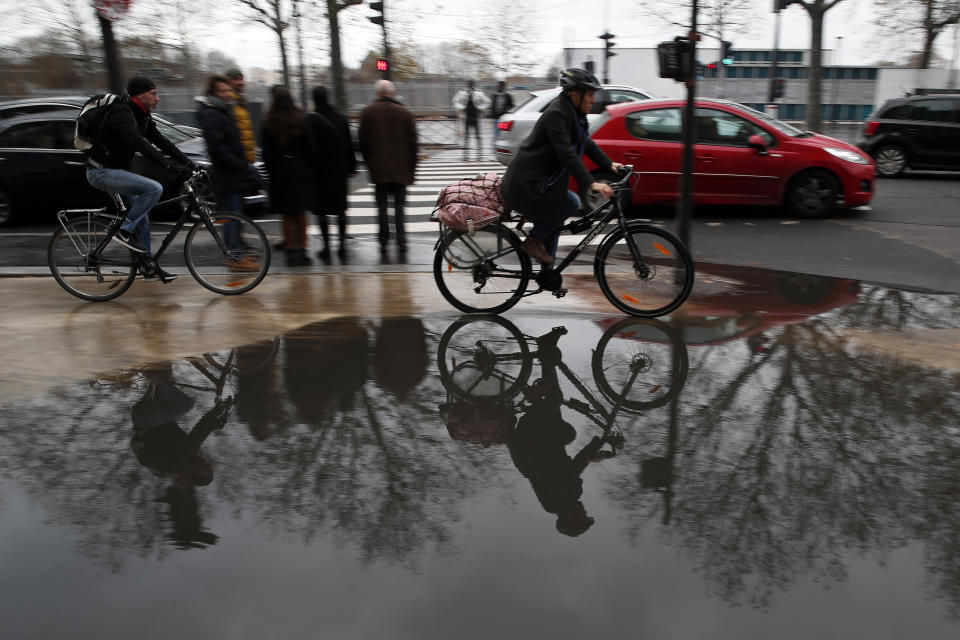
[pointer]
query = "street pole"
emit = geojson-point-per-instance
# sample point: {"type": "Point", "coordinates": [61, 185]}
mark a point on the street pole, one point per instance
{"type": "Point", "coordinates": [111, 54]}
{"type": "Point", "coordinates": [386, 45]}
{"type": "Point", "coordinates": [772, 94]}
{"type": "Point", "coordinates": [685, 204]}
{"type": "Point", "coordinates": [303, 74]}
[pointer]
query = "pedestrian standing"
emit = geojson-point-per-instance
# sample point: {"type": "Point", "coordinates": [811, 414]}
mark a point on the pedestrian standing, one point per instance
{"type": "Point", "coordinates": [501, 103]}
{"type": "Point", "coordinates": [388, 143]}
{"type": "Point", "coordinates": [232, 172]}
{"type": "Point", "coordinates": [333, 163]}
{"type": "Point", "coordinates": [241, 115]}
{"type": "Point", "coordinates": [469, 103]}
{"type": "Point", "coordinates": [287, 157]}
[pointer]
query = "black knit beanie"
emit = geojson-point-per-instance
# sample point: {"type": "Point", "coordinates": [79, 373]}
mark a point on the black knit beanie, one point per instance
{"type": "Point", "coordinates": [139, 84]}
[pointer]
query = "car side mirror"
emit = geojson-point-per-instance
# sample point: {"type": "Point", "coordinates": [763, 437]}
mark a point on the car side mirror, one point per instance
{"type": "Point", "coordinates": [756, 142]}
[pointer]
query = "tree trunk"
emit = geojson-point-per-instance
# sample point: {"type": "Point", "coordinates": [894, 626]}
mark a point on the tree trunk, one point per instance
{"type": "Point", "coordinates": [814, 96]}
{"type": "Point", "coordinates": [283, 58]}
{"type": "Point", "coordinates": [929, 34]}
{"type": "Point", "coordinates": [112, 56]}
{"type": "Point", "coordinates": [336, 62]}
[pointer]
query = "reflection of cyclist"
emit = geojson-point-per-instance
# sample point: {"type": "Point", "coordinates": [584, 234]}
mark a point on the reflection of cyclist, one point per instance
{"type": "Point", "coordinates": [535, 183]}
{"type": "Point", "coordinates": [538, 447]}
{"type": "Point", "coordinates": [163, 447]}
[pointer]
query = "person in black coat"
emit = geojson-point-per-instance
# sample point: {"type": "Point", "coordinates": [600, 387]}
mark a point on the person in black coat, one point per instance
{"type": "Point", "coordinates": [334, 162]}
{"type": "Point", "coordinates": [232, 174]}
{"type": "Point", "coordinates": [286, 153]}
{"type": "Point", "coordinates": [535, 183]}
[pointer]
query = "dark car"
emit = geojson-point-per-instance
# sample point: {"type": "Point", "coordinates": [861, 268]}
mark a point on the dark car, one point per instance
{"type": "Point", "coordinates": [916, 132]}
{"type": "Point", "coordinates": [30, 106]}
{"type": "Point", "coordinates": [41, 172]}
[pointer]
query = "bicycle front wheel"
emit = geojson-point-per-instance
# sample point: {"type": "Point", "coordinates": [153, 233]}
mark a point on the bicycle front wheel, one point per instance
{"type": "Point", "coordinates": [482, 273]}
{"type": "Point", "coordinates": [654, 281]}
{"type": "Point", "coordinates": [90, 277]}
{"type": "Point", "coordinates": [483, 358]}
{"type": "Point", "coordinates": [230, 256]}
{"type": "Point", "coordinates": [640, 363]}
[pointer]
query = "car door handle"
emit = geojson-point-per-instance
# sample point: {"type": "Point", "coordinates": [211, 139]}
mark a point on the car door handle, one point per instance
{"type": "Point", "coordinates": [73, 163]}
{"type": "Point", "coordinates": [706, 158]}
{"type": "Point", "coordinates": [911, 129]}
{"type": "Point", "coordinates": [632, 155]}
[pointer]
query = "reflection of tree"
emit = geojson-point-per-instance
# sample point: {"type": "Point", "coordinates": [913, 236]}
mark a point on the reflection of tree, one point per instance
{"type": "Point", "coordinates": [356, 463]}
{"type": "Point", "coordinates": [793, 459]}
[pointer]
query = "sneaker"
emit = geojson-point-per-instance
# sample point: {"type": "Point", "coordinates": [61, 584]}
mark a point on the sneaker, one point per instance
{"type": "Point", "coordinates": [127, 239]}
{"type": "Point", "coordinates": [534, 248]}
{"type": "Point", "coordinates": [163, 276]}
{"type": "Point", "coordinates": [243, 264]}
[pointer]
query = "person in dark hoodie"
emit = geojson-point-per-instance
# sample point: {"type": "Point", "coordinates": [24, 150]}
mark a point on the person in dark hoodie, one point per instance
{"type": "Point", "coordinates": [126, 129]}
{"type": "Point", "coordinates": [231, 172]}
{"type": "Point", "coordinates": [333, 162]}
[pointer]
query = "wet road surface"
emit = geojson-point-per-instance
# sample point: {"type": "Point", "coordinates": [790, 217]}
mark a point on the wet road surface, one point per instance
{"type": "Point", "coordinates": [779, 459]}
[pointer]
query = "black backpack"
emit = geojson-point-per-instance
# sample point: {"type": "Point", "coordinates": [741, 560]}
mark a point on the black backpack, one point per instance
{"type": "Point", "coordinates": [91, 117]}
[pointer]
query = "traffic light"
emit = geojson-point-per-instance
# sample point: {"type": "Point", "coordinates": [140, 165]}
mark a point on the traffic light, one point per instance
{"type": "Point", "coordinates": [378, 7]}
{"type": "Point", "coordinates": [676, 59]}
{"type": "Point", "coordinates": [589, 67]}
{"type": "Point", "coordinates": [778, 87]}
{"type": "Point", "coordinates": [383, 65]}
{"type": "Point", "coordinates": [726, 52]}
{"type": "Point", "coordinates": [608, 37]}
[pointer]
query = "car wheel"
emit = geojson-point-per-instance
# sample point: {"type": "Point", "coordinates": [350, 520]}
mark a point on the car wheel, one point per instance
{"type": "Point", "coordinates": [812, 194]}
{"type": "Point", "coordinates": [6, 209]}
{"type": "Point", "coordinates": [891, 160]}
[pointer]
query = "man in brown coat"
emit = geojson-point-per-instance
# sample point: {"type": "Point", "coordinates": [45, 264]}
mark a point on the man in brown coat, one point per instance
{"type": "Point", "coordinates": [388, 142]}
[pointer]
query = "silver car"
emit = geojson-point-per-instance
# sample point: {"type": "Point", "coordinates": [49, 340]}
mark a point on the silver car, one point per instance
{"type": "Point", "coordinates": [514, 126]}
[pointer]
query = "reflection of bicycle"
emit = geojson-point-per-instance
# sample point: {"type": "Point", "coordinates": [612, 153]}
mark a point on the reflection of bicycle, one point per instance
{"type": "Point", "coordinates": [225, 252]}
{"type": "Point", "coordinates": [641, 269]}
{"type": "Point", "coordinates": [638, 364]}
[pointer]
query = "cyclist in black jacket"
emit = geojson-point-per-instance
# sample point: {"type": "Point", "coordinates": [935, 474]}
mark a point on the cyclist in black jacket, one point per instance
{"type": "Point", "coordinates": [126, 129]}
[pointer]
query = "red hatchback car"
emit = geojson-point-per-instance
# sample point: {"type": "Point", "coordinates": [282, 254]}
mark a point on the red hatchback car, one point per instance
{"type": "Point", "coordinates": [741, 156]}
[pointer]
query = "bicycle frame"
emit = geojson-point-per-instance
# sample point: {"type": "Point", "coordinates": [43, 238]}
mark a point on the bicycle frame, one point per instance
{"type": "Point", "coordinates": [116, 219]}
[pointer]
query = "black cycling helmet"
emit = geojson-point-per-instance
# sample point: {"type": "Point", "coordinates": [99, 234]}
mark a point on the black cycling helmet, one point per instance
{"type": "Point", "coordinates": [574, 78]}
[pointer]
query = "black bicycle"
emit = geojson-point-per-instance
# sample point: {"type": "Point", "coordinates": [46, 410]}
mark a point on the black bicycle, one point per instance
{"type": "Point", "coordinates": [638, 363]}
{"type": "Point", "coordinates": [225, 252]}
{"type": "Point", "coordinates": [643, 270]}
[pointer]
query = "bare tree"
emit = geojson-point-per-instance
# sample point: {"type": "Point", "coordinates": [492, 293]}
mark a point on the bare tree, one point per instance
{"type": "Point", "coordinates": [507, 28]}
{"type": "Point", "coordinates": [276, 15]}
{"type": "Point", "coordinates": [334, 7]}
{"type": "Point", "coordinates": [718, 19]}
{"type": "Point", "coordinates": [917, 20]}
{"type": "Point", "coordinates": [817, 9]}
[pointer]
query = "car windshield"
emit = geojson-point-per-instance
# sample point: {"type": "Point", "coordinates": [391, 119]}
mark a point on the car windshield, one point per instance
{"type": "Point", "coordinates": [171, 133]}
{"type": "Point", "coordinates": [779, 125]}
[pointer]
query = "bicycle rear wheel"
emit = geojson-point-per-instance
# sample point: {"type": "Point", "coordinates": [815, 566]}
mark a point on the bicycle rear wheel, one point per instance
{"type": "Point", "coordinates": [653, 286]}
{"type": "Point", "coordinates": [486, 272]}
{"type": "Point", "coordinates": [233, 259]}
{"type": "Point", "coordinates": [97, 278]}
{"type": "Point", "coordinates": [483, 358]}
{"type": "Point", "coordinates": [640, 363]}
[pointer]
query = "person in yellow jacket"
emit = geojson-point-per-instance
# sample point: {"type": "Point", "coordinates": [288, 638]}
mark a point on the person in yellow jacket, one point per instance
{"type": "Point", "coordinates": [241, 116]}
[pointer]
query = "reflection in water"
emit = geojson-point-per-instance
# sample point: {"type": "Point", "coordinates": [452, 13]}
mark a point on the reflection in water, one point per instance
{"type": "Point", "coordinates": [762, 445]}
{"type": "Point", "coordinates": [485, 363]}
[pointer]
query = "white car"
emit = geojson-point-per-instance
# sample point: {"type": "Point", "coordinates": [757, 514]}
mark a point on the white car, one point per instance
{"type": "Point", "coordinates": [515, 125]}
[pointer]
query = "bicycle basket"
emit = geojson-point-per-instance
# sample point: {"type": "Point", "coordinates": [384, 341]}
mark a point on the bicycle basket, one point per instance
{"type": "Point", "coordinates": [471, 203]}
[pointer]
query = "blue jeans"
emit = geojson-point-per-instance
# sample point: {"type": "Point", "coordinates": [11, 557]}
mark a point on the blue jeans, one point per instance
{"type": "Point", "coordinates": [138, 193]}
{"type": "Point", "coordinates": [231, 201]}
{"type": "Point", "coordinates": [544, 228]}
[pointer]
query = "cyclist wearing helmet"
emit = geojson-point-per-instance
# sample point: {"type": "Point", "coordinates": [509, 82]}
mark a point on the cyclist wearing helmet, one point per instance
{"type": "Point", "coordinates": [535, 183]}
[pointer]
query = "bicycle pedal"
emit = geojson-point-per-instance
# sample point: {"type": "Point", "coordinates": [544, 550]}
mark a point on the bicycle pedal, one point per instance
{"type": "Point", "coordinates": [559, 293]}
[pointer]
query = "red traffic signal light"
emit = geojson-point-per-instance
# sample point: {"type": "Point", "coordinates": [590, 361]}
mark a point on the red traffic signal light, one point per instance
{"type": "Point", "coordinates": [383, 65]}
{"type": "Point", "coordinates": [711, 65]}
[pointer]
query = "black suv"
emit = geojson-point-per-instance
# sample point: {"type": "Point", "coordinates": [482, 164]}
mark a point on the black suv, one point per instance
{"type": "Point", "coordinates": [917, 132]}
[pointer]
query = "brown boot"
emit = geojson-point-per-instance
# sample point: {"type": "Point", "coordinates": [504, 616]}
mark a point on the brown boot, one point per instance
{"type": "Point", "coordinates": [534, 248]}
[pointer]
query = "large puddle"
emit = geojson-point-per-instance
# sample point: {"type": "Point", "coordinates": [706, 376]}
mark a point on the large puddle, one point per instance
{"type": "Point", "coordinates": [780, 460]}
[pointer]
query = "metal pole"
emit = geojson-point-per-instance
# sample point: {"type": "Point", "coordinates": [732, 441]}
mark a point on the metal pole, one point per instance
{"type": "Point", "coordinates": [685, 204]}
{"type": "Point", "coordinates": [772, 95]}
{"type": "Point", "coordinates": [387, 75]}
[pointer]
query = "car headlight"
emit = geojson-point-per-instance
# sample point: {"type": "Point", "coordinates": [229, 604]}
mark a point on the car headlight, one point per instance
{"type": "Point", "coordinates": [846, 154]}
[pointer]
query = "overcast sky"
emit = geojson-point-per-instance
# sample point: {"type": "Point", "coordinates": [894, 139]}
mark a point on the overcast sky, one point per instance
{"type": "Point", "coordinates": [575, 23]}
